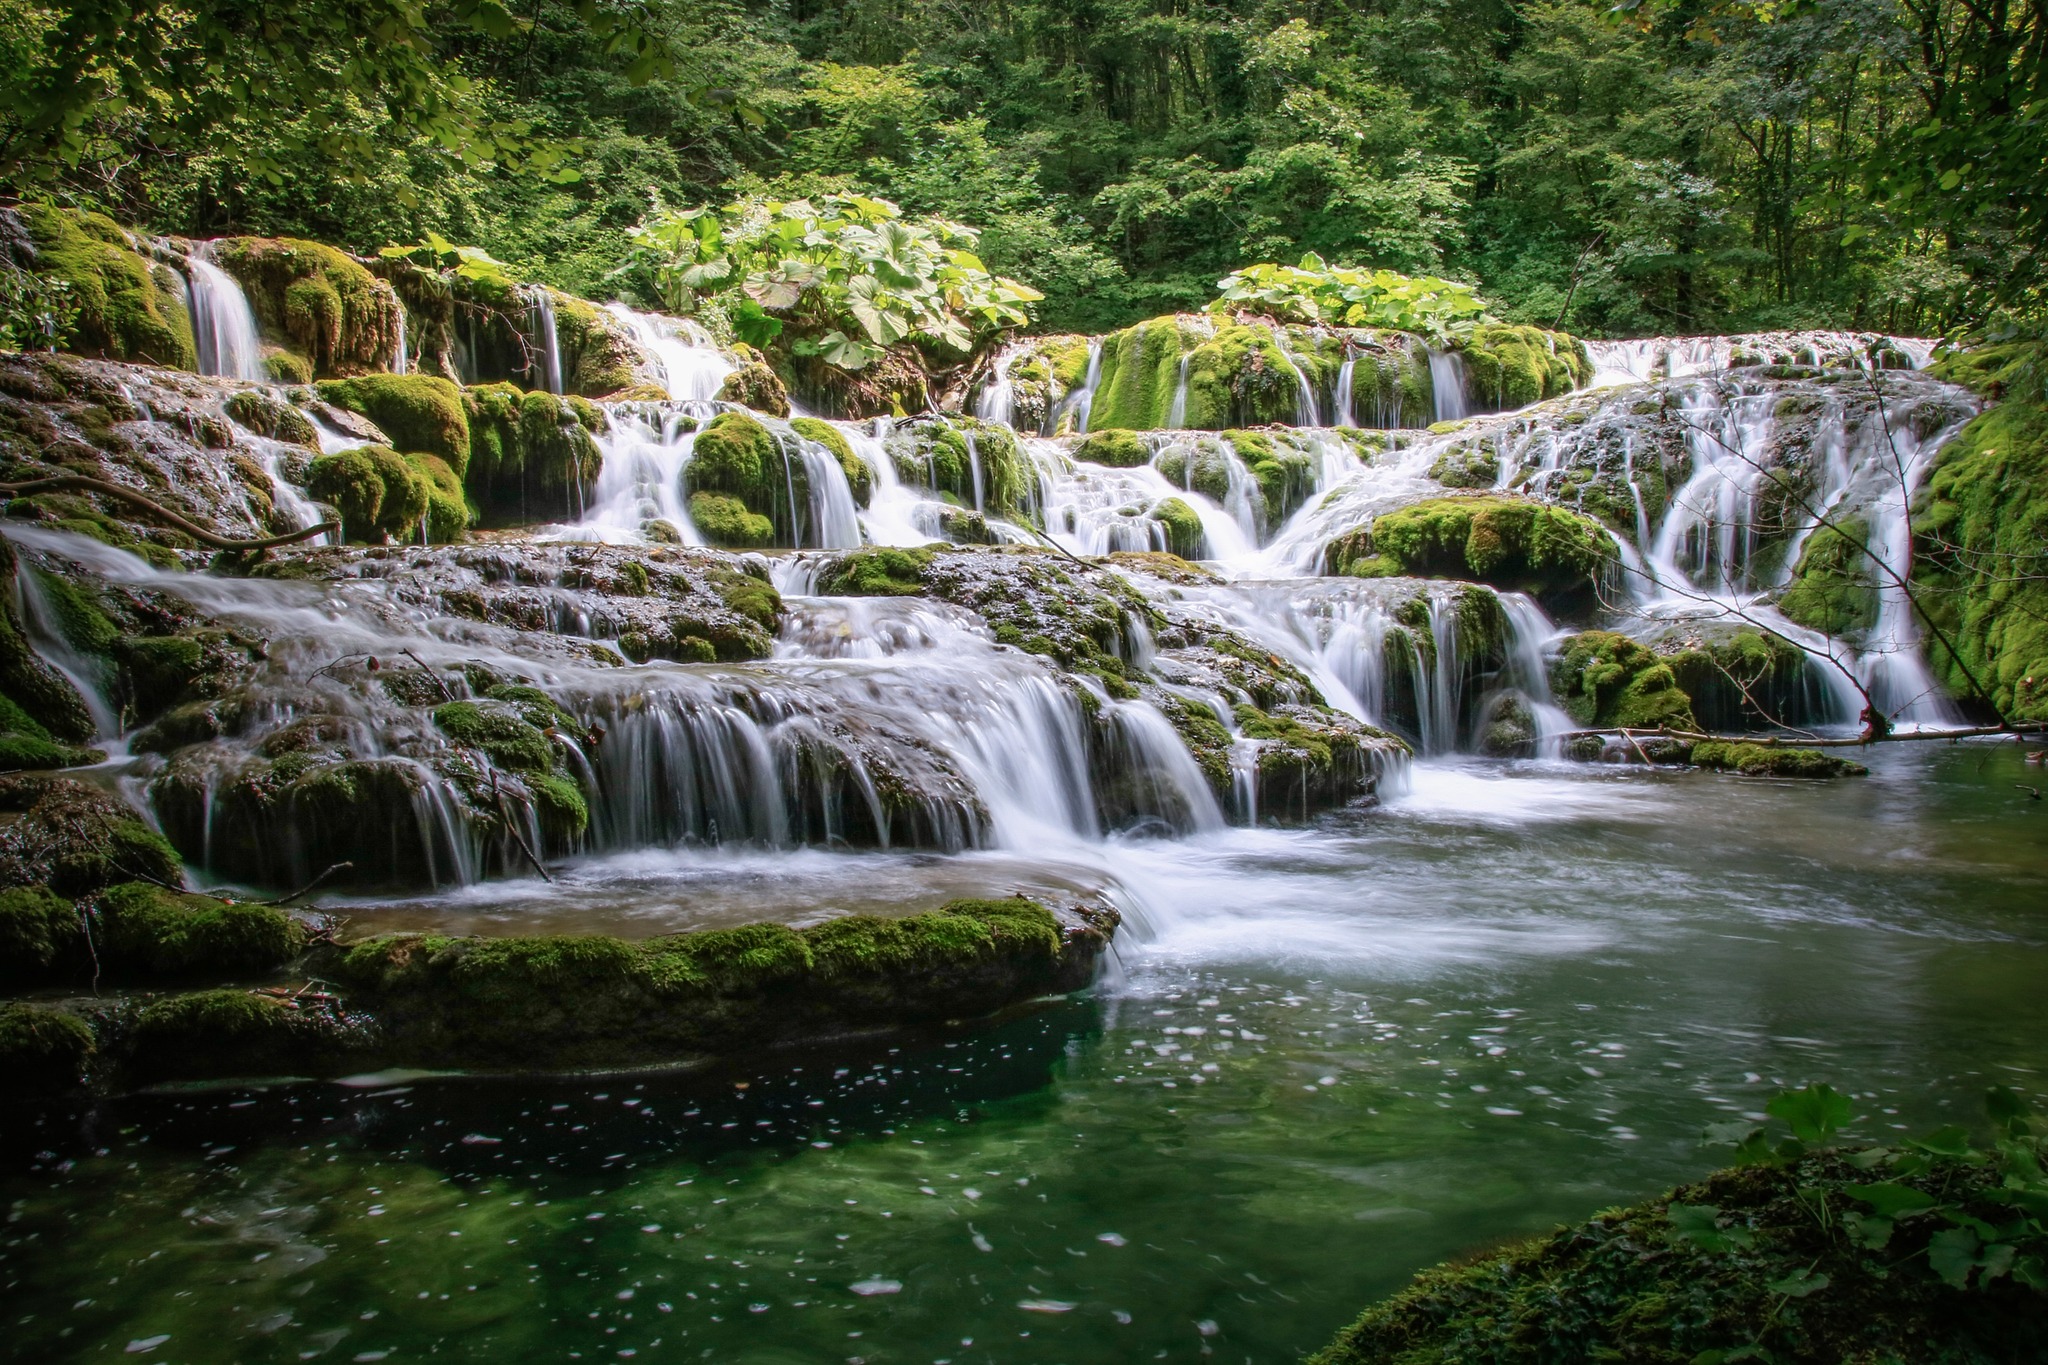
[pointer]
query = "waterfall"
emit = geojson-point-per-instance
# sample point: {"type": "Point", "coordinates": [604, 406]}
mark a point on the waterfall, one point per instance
{"type": "Point", "coordinates": [1344, 417]}
{"type": "Point", "coordinates": [223, 325]}
{"type": "Point", "coordinates": [645, 447]}
{"type": "Point", "coordinates": [401, 360]}
{"type": "Point", "coordinates": [973, 465]}
{"type": "Point", "coordinates": [1306, 413]}
{"type": "Point", "coordinates": [833, 518]}
{"type": "Point", "coordinates": [43, 623]}
{"type": "Point", "coordinates": [1082, 399]}
{"type": "Point", "coordinates": [691, 366]}
{"type": "Point", "coordinates": [1447, 382]}
{"type": "Point", "coordinates": [895, 513]}
{"type": "Point", "coordinates": [1529, 635]}
{"type": "Point", "coordinates": [997, 401]}
{"type": "Point", "coordinates": [1648, 359]}
{"type": "Point", "coordinates": [540, 308]}
{"type": "Point", "coordinates": [1177, 411]}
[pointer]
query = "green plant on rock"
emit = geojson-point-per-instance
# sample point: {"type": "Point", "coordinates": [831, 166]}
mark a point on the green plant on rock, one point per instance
{"type": "Point", "coordinates": [473, 264]}
{"type": "Point", "coordinates": [724, 520]}
{"type": "Point", "coordinates": [116, 302]}
{"type": "Point", "coordinates": [849, 277]}
{"type": "Point", "coordinates": [500, 731]}
{"type": "Point", "coordinates": [419, 412]}
{"type": "Point", "coordinates": [148, 932]}
{"type": "Point", "coordinates": [43, 1051]}
{"type": "Point", "coordinates": [1605, 680]}
{"type": "Point", "coordinates": [1513, 543]}
{"type": "Point", "coordinates": [1116, 447]}
{"type": "Point", "coordinates": [382, 494]}
{"type": "Point", "coordinates": [1341, 296]}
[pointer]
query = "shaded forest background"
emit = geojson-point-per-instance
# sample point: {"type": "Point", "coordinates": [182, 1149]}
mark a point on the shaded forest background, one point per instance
{"type": "Point", "coordinates": [1667, 168]}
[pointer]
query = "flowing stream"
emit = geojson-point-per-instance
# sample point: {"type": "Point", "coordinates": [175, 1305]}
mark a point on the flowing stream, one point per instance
{"type": "Point", "coordinates": [1331, 1056]}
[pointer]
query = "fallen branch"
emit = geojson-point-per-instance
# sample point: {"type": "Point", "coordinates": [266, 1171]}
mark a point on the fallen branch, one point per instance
{"type": "Point", "coordinates": [1768, 741]}
{"type": "Point", "coordinates": [61, 482]}
{"type": "Point", "coordinates": [512, 828]}
{"type": "Point", "coordinates": [287, 900]}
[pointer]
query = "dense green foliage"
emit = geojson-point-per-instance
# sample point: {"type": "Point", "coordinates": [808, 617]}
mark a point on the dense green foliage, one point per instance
{"type": "Point", "coordinates": [1655, 167]}
{"type": "Point", "coordinates": [1508, 542]}
{"type": "Point", "coordinates": [1315, 292]}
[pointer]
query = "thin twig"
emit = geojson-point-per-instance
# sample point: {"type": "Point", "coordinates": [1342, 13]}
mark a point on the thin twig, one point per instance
{"type": "Point", "coordinates": [60, 482]}
{"type": "Point", "coordinates": [286, 900]}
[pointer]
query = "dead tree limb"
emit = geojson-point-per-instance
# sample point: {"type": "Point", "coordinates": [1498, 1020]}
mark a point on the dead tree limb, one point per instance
{"type": "Point", "coordinates": [63, 482]}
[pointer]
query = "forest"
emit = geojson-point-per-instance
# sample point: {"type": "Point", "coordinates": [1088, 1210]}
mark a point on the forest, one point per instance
{"type": "Point", "coordinates": [1649, 167]}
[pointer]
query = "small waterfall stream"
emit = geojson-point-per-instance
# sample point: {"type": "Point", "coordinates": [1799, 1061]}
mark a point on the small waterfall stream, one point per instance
{"type": "Point", "coordinates": [223, 324]}
{"type": "Point", "coordinates": [546, 346]}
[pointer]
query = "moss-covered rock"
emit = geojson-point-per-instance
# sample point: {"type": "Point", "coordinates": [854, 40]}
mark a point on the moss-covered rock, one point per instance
{"type": "Point", "coordinates": [76, 839]}
{"type": "Point", "coordinates": [1183, 527]}
{"type": "Point", "coordinates": [159, 672]}
{"type": "Point", "coordinates": [1770, 760]}
{"type": "Point", "coordinates": [500, 730]}
{"type": "Point", "coordinates": [42, 936]}
{"type": "Point", "coordinates": [1832, 590]}
{"type": "Point", "coordinates": [859, 477]}
{"type": "Point", "coordinates": [565, 999]}
{"type": "Point", "coordinates": [384, 495]}
{"type": "Point", "coordinates": [420, 412]}
{"type": "Point", "coordinates": [1979, 571]}
{"type": "Point", "coordinates": [325, 307]}
{"type": "Point", "coordinates": [1755, 1263]}
{"type": "Point", "coordinates": [1510, 367]}
{"type": "Point", "coordinates": [876, 571]}
{"type": "Point", "coordinates": [1606, 680]}
{"type": "Point", "coordinates": [43, 1051]}
{"type": "Point", "coordinates": [725, 520]}
{"type": "Point", "coordinates": [946, 455]}
{"type": "Point", "coordinates": [38, 706]}
{"type": "Point", "coordinates": [130, 307]}
{"type": "Point", "coordinates": [146, 932]}
{"type": "Point", "coordinates": [754, 385]}
{"type": "Point", "coordinates": [1116, 447]}
{"type": "Point", "coordinates": [532, 456]}
{"type": "Point", "coordinates": [1511, 543]}
{"type": "Point", "coordinates": [214, 1034]}
{"type": "Point", "coordinates": [273, 417]}
{"type": "Point", "coordinates": [598, 356]}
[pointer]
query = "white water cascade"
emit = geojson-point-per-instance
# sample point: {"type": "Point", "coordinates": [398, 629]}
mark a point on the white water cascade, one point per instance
{"type": "Point", "coordinates": [1343, 414]}
{"type": "Point", "coordinates": [1081, 400]}
{"type": "Point", "coordinates": [1447, 382]}
{"type": "Point", "coordinates": [997, 401]}
{"type": "Point", "coordinates": [547, 347]}
{"type": "Point", "coordinates": [223, 324]}
{"type": "Point", "coordinates": [401, 358]}
{"type": "Point", "coordinates": [691, 367]}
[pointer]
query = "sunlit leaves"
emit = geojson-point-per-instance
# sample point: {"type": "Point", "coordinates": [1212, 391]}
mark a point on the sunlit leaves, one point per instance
{"type": "Point", "coordinates": [1814, 1114]}
{"type": "Point", "coordinates": [851, 274]}
{"type": "Point", "coordinates": [1313, 292]}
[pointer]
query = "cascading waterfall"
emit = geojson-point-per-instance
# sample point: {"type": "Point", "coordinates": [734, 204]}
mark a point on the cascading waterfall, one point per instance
{"type": "Point", "coordinates": [401, 358]}
{"type": "Point", "coordinates": [545, 345]}
{"type": "Point", "coordinates": [1177, 410]}
{"type": "Point", "coordinates": [1447, 383]}
{"type": "Point", "coordinates": [997, 401]}
{"type": "Point", "coordinates": [1078, 403]}
{"type": "Point", "coordinates": [645, 446]}
{"type": "Point", "coordinates": [223, 324]}
{"type": "Point", "coordinates": [691, 367]}
{"type": "Point", "coordinates": [1344, 416]}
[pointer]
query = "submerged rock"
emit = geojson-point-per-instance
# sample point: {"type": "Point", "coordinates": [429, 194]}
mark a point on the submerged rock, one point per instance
{"type": "Point", "coordinates": [1769, 760]}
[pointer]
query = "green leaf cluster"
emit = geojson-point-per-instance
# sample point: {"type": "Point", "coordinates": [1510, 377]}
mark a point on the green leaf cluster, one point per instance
{"type": "Point", "coordinates": [1343, 296]}
{"type": "Point", "coordinates": [848, 277]}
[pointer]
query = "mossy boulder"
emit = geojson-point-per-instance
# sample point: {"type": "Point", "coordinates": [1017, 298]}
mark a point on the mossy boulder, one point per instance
{"type": "Point", "coordinates": [43, 1051]}
{"type": "Point", "coordinates": [1605, 680]}
{"type": "Point", "coordinates": [754, 385]}
{"type": "Point", "coordinates": [419, 412]}
{"type": "Point", "coordinates": [1978, 531]}
{"type": "Point", "coordinates": [1832, 588]}
{"type": "Point", "coordinates": [876, 571]}
{"type": "Point", "coordinates": [146, 932]}
{"type": "Point", "coordinates": [1743, 678]}
{"type": "Point", "coordinates": [946, 454]}
{"type": "Point", "coordinates": [1770, 760]}
{"type": "Point", "coordinates": [500, 731]}
{"type": "Point", "coordinates": [383, 495]}
{"type": "Point", "coordinates": [568, 999]}
{"type": "Point", "coordinates": [598, 355]}
{"type": "Point", "coordinates": [326, 307]}
{"type": "Point", "coordinates": [214, 1034]}
{"type": "Point", "coordinates": [130, 307]}
{"type": "Point", "coordinates": [739, 461]}
{"type": "Point", "coordinates": [42, 936]}
{"type": "Point", "coordinates": [159, 672]}
{"type": "Point", "coordinates": [1511, 543]}
{"type": "Point", "coordinates": [532, 456]}
{"type": "Point", "coordinates": [1755, 1263]}
{"type": "Point", "coordinates": [1183, 527]}
{"type": "Point", "coordinates": [76, 839]}
{"type": "Point", "coordinates": [859, 477]}
{"type": "Point", "coordinates": [1116, 447]}
{"type": "Point", "coordinates": [725, 520]}
{"type": "Point", "coordinates": [1509, 367]}
{"type": "Point", "coordinates": [272, 417]}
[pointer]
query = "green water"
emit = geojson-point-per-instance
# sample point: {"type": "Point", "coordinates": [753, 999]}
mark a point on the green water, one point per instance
{"type": "Point", "coordinates": [1511, 997]}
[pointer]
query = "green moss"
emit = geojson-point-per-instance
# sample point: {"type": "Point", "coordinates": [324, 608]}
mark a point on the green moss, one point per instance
{"type": "Point", "coordinates": [1758, 1263]}
{"type": "Point", "coordinates": [42, 936]}
{"type": "Point", "coordinates": [1511, 367]}
{"type": "Point", "coordinates": [752, 597]}
{"type": "Point", "coordinates": [1116, 447]}
{"type": "Point", "coordinates": [1605, 680]}
{"type": "Point", "coordinates": [328, 308]}
{"type": "Point", "coordinates": [1980, 571]}
{"type": "Point", "coordinates": [876, 571]}
{"type": "Point", "coordinates": [1768, 760]}
{"type": "Point", "coordinates": [755, 386]}
{"type": "Point", "coordinates": [129, 307]}
{"type": "Point", "coordinates": [43, 1051]}
{"type": "Point", "coordinates": [447, 513]}
{"type": "Point", "coordinates": [29, 753]}
{"type": "Point", "coordinates": [1743, 679]}
{"type": "Point", "coordinates": [1286, 473]}
{"type": "Point", "coordinates": [146, 931]}
{"type": "Point", "coordinates": [384, 495]}
{"type": "Point", "coordinates": [1831, 589]}
{"type": "Point", "coordinates": [1140, 371]}
{"type": "Point", "coordinates": [1511, 543]}
{"type": "Point", "coordinates": [75, 839]}
{"type": "Point", "coordinates": [351, 482]}
{"type": "Point", "coordinates": [559, 805]}
{"type": "Point", "coordinates": [272, 417]}
{"type": "Point", "coordinates": [419, 412]}
{"type": "Point", "coordinates": [597, 356]}
{"type": "Point", "coordinates": [725, 520]}
{"type": "Point", "coordinates": [228, 1033]}
{"type": "Point", "coordinates": [500, 732]}
{"type": "Point", "coordinates": [530, 454]}
{"type": "Point", "coordinates": [1183, 527]}
{"type": "Point", "coordinates": [734, 454]}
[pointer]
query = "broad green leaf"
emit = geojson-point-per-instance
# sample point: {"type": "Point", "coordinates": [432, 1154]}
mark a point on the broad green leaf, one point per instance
{"type": "Point", "coordinates": [1889, 1199]}
{"type": "Point", "coordinates": [1949, 1141]}
{"type": "Point", "coordinates": [1799, 1284]}
{"type": "Point", "coordinates": [1814, 1114]}
{"type": "Point", "coordinates": [1952, 1254]}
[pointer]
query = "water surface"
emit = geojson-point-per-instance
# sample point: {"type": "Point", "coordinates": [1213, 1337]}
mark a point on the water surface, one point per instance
{"type": "Point", "coordinates": [1327, 1058]}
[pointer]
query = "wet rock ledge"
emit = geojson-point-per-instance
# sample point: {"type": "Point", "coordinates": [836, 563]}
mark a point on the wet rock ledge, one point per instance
{"type": "Point", "coordinates": [305, 1005]}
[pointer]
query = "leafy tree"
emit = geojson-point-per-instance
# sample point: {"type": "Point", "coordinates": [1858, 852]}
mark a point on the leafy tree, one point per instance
{"type": "Point", "coordinates": [1313, 292]}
